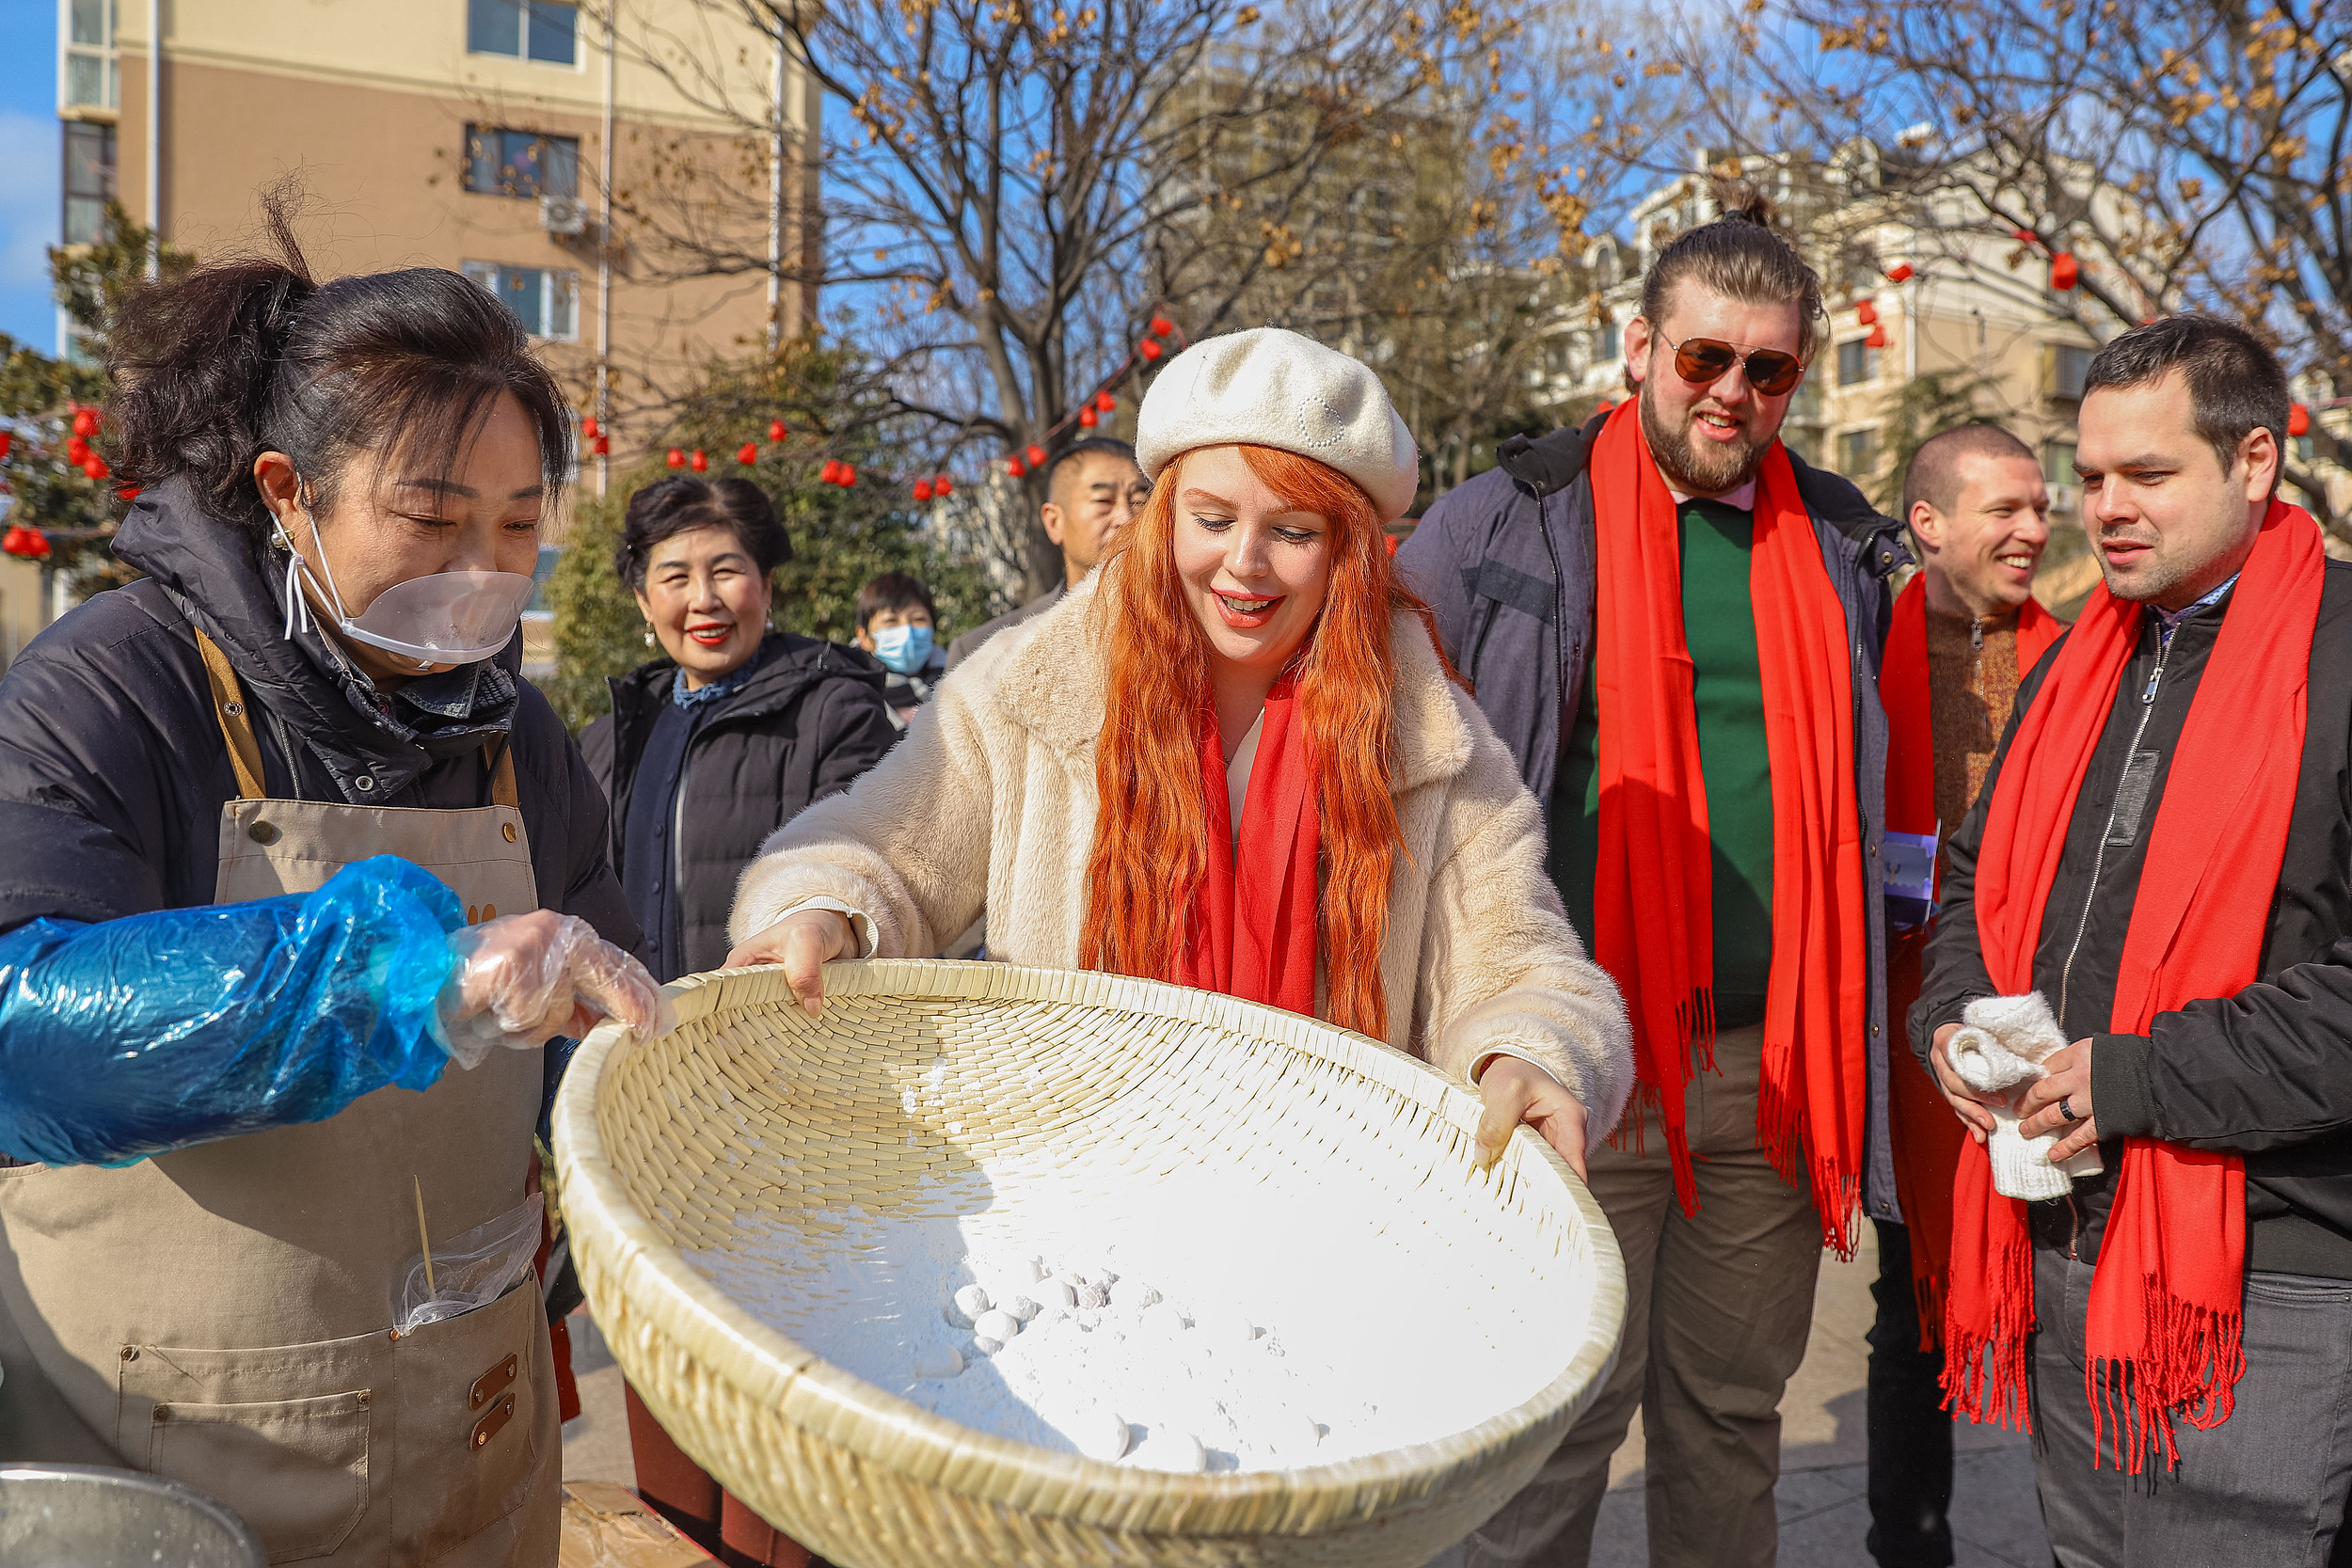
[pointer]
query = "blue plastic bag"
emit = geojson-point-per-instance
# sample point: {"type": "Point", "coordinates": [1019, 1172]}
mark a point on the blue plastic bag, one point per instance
{"type": "Point", "coordinates": [140, 1035]}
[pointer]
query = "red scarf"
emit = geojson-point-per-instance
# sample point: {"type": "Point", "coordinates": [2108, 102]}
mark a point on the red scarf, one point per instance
{"type": "Point", "coordinates": [1253, 929]}
{"type": "Point", "coordinates": [2166, 1303]}
{"type": "Point", "coordinates": [1924, 1133]}
{"type": "Point", "coordinates": [1652, 895]}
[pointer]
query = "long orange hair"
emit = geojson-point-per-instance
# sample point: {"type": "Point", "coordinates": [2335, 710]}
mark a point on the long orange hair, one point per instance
{"type": "Point", "coordinates": [1151, 836]}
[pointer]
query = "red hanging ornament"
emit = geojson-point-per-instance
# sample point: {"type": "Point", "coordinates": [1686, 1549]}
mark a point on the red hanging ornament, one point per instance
{"type": "Point", "coordinates": [748, 453]}
{"type": "Point", "coordinates": [676, 458]}
{"type": "Point", "coordinates": [1866, 311]}
{"type": "Point", "coordinates": [943, 485]}
{"type": "Point", "coordinates": [76, 450]}
{"type": "Point", "coordinates": [775, 430]}
{"type": "Point", "coordinates": [1107, 402]}
{"type": "Point", "coordinates": [96, 467]}
{"type": "Point", "coordinates": [603, 446]}
{"type": "Point", "coordinates": [8, 439]}
{"type": "Point", "coordinates": [1877, 338]}
{"type": "Point", "coordinates": [589, 427]}
{"type": "Point", "coordinates": [1162, 326]}
{"type": "Point", "coordinates": [1899, 273]}
{"type": "Point", "coordinates": [84, 422]}
{"type": "Point", "coordinates": [2299, 420]}
{"type": "Point", "coordinates": [24, 542]}
{"type": "Point", "coordinates": [922, 489]}
{"type": "Point", "coordinates": [1087, 418]}
{"type": "Point", "coordinates": [2064, 272]}
{"type": "Point", "coordinates": [830, 471]}
{"type": "Point", "coordinates": [848, 475]}
{"type": "Point", "coordinates": [1012, 467]}
{"type": "Point", "coordinates": [699, 462]}
{"type": "Point", "coordinates": [1149, 349]}
{"type": "Point", "coordinates": [1037, 457]}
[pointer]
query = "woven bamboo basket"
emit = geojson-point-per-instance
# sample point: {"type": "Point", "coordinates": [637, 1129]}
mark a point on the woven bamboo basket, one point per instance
{"type": "Point", "coordinates": [1051, 1079]}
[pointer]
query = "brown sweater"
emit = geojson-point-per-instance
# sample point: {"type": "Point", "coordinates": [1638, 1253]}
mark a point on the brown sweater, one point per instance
{"type": "Point", "coordinates": [1972, 685]}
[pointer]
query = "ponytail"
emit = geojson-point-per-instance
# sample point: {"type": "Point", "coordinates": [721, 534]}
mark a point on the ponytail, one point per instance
{"type": "Point", "coordinates": [254, 356]}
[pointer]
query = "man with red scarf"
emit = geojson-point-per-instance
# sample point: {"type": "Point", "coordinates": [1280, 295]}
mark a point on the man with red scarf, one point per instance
{"type": "Point", "coordinates": [1676, 623]}
{"type": "Point", "coordinates": [1965, 631]}
{"type": "Point", "coordinates": [2161, 851]}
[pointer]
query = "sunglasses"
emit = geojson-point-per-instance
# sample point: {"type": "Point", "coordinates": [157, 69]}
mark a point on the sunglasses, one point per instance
{"type": "Point", "coordinates": [1702, 361]}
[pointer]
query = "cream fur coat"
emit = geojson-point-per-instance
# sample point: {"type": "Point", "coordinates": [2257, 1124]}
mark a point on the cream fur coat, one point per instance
{"type": "Point", "coordinates": [989, 800]}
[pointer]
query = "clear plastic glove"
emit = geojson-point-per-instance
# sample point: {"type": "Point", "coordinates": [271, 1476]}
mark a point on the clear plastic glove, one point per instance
{"type": "Point", "coordinates": [523, 978]}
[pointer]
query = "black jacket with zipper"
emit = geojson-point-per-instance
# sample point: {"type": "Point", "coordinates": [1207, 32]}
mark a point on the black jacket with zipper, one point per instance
{"type": "Point", "coordinates": [2267, 1074]}
{"type": "Point", "coordinates": [808, 721]}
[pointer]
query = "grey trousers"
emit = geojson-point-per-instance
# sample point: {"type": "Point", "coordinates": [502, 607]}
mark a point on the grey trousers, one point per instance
{"type": "Point", "coordinates": [2266, 1487]}
{"type": "Point", "coordinates": [1718, 1307]}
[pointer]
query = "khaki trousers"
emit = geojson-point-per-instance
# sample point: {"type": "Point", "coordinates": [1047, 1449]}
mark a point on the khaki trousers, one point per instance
{"type": "Point", "coordinates": [1718, 1308]}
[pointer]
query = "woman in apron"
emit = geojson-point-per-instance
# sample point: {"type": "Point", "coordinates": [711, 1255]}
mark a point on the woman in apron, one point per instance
{"type": "Point", "coordinates": [254, 1072]}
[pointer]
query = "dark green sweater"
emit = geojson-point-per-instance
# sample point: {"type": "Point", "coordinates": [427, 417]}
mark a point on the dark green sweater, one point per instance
{"type": "Point", "coordinates": [1719, 624]}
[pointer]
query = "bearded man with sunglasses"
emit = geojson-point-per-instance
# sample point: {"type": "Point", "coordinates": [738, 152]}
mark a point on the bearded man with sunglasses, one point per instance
{"type": "Point", "coordinates": [1676, 623]}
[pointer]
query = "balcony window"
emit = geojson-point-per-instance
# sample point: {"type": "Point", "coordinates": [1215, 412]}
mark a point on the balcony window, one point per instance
{"type": "Point", "coordinates": [1858, 453]}
{"type": "Point", "coordinates": [2070, 367]}
{"type": "Point", "coordinates": [2058, 463]}
{"type": "Point", "coordinates": [520, 162]}
{"type": "Point", "coordinates": [91, 76]}
{"type": "Point", "coordinates": [1857, 362]}
{"type": "Point", "coordinates": [545, 299]}
{"type": "Point", "coordinates": [89, 180]}
{"type": "Point", "coordinates": [538, 30]}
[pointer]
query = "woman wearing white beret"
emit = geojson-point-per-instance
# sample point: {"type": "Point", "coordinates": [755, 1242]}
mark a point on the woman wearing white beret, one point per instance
{"type": "Point", "coordinates": [1235, 759]}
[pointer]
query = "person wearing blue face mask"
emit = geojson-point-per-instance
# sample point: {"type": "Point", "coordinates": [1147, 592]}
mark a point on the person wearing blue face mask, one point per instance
{"type": "Point", "coordinates": [897, 624]}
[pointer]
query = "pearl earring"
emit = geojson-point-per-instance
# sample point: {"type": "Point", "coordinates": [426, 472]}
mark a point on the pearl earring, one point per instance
{"type": "Point", "coordinates": [649, 637]}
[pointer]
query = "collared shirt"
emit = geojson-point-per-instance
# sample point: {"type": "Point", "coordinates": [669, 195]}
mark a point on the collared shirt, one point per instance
{"type": "Point", "coordinates": [1741, 499]}
{"type": "Point", "coordinates": [2169, 620]}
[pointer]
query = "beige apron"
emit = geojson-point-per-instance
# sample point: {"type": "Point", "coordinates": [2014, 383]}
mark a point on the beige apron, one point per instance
{"type": "Point", "coordinates": [222, 1315]}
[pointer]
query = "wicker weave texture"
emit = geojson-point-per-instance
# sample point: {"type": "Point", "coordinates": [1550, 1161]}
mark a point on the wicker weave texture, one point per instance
{"type": "Point", "coordinates": [1052, 1081]}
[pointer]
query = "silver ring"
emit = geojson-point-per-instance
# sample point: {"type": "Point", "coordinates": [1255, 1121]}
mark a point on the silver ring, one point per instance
{"type": "Point", "coordinates": [2067, 1111]}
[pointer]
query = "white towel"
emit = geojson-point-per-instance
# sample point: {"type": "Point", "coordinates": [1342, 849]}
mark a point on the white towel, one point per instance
{"type": "Point", "coordinates": [2001, 1044]}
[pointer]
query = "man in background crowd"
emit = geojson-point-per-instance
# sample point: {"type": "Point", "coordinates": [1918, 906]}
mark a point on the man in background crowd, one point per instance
{"type": "Point", "coordinates": [1965, 631]}
{"type": "Point", "coordinates": [1675, 622]}
{"type": "Point", "coordinates": [1092, 491]}
{"type": "Point", "coordinates": [897, 623]}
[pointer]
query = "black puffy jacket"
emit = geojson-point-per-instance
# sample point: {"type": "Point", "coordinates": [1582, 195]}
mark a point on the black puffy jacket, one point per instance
{"type": "Point", "coordinates": [2265, 1073]}
{"type": "Point", "coordinates": [808, 721]}
{"type": "Point", "coordinates": [113, 769]}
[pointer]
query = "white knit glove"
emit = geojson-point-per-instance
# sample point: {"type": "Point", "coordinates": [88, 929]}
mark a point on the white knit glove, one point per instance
{"type": "Point", "coordinates": [2001, 1045]}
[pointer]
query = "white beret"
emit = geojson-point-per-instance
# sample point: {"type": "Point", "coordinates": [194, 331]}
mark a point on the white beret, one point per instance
{"type": "Point", "coordinates": [1269, 387]}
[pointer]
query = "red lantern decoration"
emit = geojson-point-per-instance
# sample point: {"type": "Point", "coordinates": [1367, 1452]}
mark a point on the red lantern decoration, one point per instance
{"type": "Point", "coordinates": [589, 427]}
{"type": "Point", "coordinates": [775, 430]}
{"type": "Point", "coordinates": [922, 489]}
{"type": "Point", "coordinates": [28, 543]}
{"type": "Point", "coordinates": [95, 467]}
{"type": "Point", "coordinates": [676, 458]}
{"type": "Point", "coordinates": [1037, 457]}
{"type": "Point", "coordinates": [1866, 311]}
{"type": "Point", "coordinates": [2299, 420]}
{"type": "Point", "coordinates": [84, 422]}
{"type": "Point", "coordinates": [2063, 270]}
{"type": "Point", "coordinates": [1877, 338]}
{"type": "Point", "coordinates": [76, 450]}
{"type": "Point", "coordinates": [699, 462]}
{"type": "Point", "coordinates": [1012, 467]}
{"type": "Point", "coordinates": [942, 486]}
{"type": "Point", "coordinates": [848, 475]}
{"type": "Point", "coordinates": [1087, 418]}
{"type": "Point", "coordinates": [8, 439]}
{"type": "Point", "coordinates": [603, 446]}
{"type": "Point", "coordinates": [1149, 349]}
{"type": "Point", "coordinates": [748, 453]}
{"type": "Point", "coordinates": [1162, 326]}
{"type": "Point", "coordinates": [1107, 402]}
{"type": "Point", "coordinates": [830, 472]}
{"type": "Point", "coordinates": [1899, 273]}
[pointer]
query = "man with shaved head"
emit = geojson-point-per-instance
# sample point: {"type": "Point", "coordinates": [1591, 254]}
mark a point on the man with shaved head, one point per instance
{"type": "Point", "coordinates": [1964, 632]}
{"type": "Point", "coordinates": [1093, 490]}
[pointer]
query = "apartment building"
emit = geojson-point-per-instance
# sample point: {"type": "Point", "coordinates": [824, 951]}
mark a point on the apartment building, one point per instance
{"type": "Point", "coordinates": [481, 136]}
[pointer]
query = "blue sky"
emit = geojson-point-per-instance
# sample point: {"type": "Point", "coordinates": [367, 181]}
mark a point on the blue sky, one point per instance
{"type": "Point", "coordinates": [28, 168]}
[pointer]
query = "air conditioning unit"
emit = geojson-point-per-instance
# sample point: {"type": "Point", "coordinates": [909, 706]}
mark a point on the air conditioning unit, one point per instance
{"type": "Point", "coordinates": [563, 214]}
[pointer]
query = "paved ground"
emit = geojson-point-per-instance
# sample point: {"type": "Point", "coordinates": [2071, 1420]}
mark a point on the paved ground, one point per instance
{"type": "Point", "coordinates": [1822, 1515]}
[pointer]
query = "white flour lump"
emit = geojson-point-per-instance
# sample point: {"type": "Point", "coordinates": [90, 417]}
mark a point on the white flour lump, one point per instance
{"type": "Point", "coordinates": [1188, 1332]}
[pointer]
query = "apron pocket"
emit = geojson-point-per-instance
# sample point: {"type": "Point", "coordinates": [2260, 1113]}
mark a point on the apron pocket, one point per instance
{"type": "Point", "coordinates": [470, 1394]}
{"type": "Point", "coordinates": [297, 1469]}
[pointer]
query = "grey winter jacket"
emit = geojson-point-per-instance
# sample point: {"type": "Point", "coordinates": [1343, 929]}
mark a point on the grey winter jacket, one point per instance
{"type": "Point", "coordinates": [1506, 562]}
{"type": "Point", "coordinates": [113, 769]}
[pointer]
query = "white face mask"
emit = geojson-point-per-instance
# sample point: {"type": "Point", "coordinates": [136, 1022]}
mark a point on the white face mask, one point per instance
{"type": "Point", "coordinates": [459, 617]}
